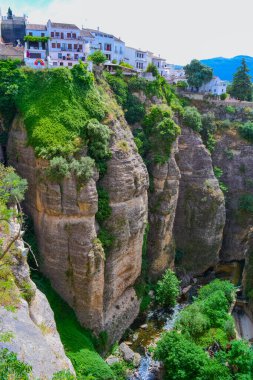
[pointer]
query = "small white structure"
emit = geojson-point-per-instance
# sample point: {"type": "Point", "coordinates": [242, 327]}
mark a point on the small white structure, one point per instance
{"type": "Point", "coordinates": [67, 45]}
{"type": "Point", "coordinates": [159, 63]}
{"type": "Point", "coordinates": [174, 74]}
{"type": "Point", "coordinates": [216, 86]}
{"type": "Point", "coordinates": [112, 47]}
{"type": "Point", "coordinates": [137, 58]}
{"type": "Point", "coordinates": [35, 53]}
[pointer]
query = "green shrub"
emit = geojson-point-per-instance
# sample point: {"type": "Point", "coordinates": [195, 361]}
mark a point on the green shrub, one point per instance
{"type": "Point", "coordinates": [135, 110]}
{"type": "Point", "coordinates": [83, 168]}
{"type": "Point", "coordinates": [192, 322]}
{"type": "Point", "coordinates": [246, 203]}
{"type": "Point", "coordinates": [192, 118]}
{"type": "Point", "coordinates": [104, 208]}
{"type": "Point", "coordinates": [97, 137]}
{"type": "Point", "coordinates": [167, 289]}
{"type": "Point", "coordinates": [136, 84]}
{"type": "Point", "coordinates": [106, 238]}
{"type": "Point", "coordinates": [59, 168]}
{"type": "Point", "coordinates": [12, 368]}
{"type": "Point", "coordinates": [223, 96]}
{"type": "Point", "coordinates": [120, 370]}
{"type": "Point", "coordinates": [225, 286]}
{"type": "Point", "coordinates": [212, 336]}
{"type": "Point", "coordinates": [63, 375]}
{"type": "Point", "coordinates": [240, 358]}
{"type": "Point", "coordinates": [98, 57]}
{"type": "Point", "coordinates": [246, 131]}
{"type": "Point", "coordinates": [230, 109]}
{"type": "Point", "coordinates": [152, 69]}
{"type": "Point", "coordinates": [119, 87]}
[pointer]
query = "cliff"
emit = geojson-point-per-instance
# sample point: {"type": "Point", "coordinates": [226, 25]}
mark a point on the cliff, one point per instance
{"type": "Point", "coordinates": [99, 289]}
{"type": "Point", "coordinates": [200, 214]}
{"type": "Point", "coordinates": [28, 319]}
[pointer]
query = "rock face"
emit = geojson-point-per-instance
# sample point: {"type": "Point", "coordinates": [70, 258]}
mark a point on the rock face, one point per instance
{"type": "Point", "coordinates": [235, 157]}
{"type": "Point", "coordinates": [31, 327]}
{"type": "Point", "coordinates": [200, 214]}
{"type": "Point", "coordinates": [163, 197]}
{"type": "Point", "coordinates": [100, 291]}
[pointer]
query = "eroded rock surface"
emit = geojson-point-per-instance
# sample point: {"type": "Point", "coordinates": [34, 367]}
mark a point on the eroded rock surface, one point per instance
{"type": "Point", "coordinates": [100, 291]}
{"type": "Point", "coordinates": [200, 214]}
{"type": "Point", "coordinates": [235, 157]}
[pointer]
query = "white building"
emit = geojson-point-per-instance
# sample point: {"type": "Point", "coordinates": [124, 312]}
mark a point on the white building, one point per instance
{"type": "Point", "coordinates": [159, 63]}
{"type": "Point", "coordinates": [67, 45]}
{"type": "Point", "coordinates": [35, 53]}
{"type": "Point", "coordinates": [137, 58]}
{"type": "Point", "coordinates": [112, 47]}
{"type": "Point", "coordinates": [216, 86]}
{"type": "Point", "coordinates": [174, 74]}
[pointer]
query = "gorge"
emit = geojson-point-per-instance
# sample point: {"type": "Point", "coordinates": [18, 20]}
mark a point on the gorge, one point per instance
{"type": "Point", "coordinates": [122, 186]}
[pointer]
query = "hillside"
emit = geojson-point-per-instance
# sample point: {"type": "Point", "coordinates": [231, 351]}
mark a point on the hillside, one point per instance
{"type": "Point", "coordinates": [226, 67]}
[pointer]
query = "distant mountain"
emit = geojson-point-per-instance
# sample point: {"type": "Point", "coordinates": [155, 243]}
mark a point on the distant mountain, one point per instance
{"type": "Point", "coordinates": [226, 67]}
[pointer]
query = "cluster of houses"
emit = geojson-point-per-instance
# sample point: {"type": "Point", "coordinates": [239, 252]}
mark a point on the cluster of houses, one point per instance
{"type": "Point", "coordinates": [60, 44]}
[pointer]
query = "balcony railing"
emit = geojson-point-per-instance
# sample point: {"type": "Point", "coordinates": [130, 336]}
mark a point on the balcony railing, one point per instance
{"type": "Point", "coordinates": [79, 38]}
{"type": "Point", "coordinates": [72, 50]}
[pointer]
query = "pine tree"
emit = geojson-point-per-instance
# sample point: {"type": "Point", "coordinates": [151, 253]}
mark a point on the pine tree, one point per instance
{"type": "Point", "coordinates": [241, 86]}
{"type": "Point", "coordinates": [9, 14]}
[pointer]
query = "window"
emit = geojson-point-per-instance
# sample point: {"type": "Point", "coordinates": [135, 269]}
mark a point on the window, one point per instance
{"type": "Point", "coordinates": [57, 34]}
{"type": "Point", "coordinates": [53, 45]}
{"type": "Point", "coordinates": [61, 63]}
{"type": "Point", "coordinates": [139, 55]}
{"type": "Point", "coordinates": [30, 34]}
{"type": "Point", "coordinates": [108, 47]}
{"type": "Point", "coordinates": [52, 34]}
{"type": "Point", "coordinates": [100, 46]}
{"type": "Point", "coordinates": [108, 56]}
{"type": "Point", "coordinates": [76, 56]}
{"type": "Point", "coordinates": [68, 35]}
{"type": "Point", "coordinates": [69, 63]}
{"type": "Point", "coordinates": [60, 55]}
{"type": "Point", "coordinates": [35, 55]}
{"type": "Point", "coordinates": [42, 34]}
{"type": "Point", "coordinates": [54, 63]}
{"type": "Point", "coordinates": [74, 35]}
{"type": "Point", "coordinates": [62, 35]}
{"type": "Point", "coordinates": [139, 65]}
{"type": "Point", "coordinates": [70, 46]}
{"type": "Point", "coordinates": [58, 45]}
{"type": "Point", "coordinates": [80, 47]}
{"type": "Point", "coordinates": [75, 46]}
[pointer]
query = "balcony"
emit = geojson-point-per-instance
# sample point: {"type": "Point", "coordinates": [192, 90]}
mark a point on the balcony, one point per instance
{"type": "Point", "coordinates": [72, 50]}
{"type": "Point", "coordinates": [79, 38]}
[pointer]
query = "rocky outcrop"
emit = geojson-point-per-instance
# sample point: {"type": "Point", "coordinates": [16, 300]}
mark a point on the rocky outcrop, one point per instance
{"type": "Point", "coordinates": [30, 329]}
{"type": "Point", "coordinates": [163, 196]}
{"type": "Point", "coordinates": [235, 157]}
{"type": "Point", "coordinates": [100, 291]}
{"type": "Point", "coordinates": [200, 214]}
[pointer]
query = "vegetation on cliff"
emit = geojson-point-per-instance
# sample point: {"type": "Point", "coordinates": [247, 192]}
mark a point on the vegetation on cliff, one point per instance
{"type": "Point", "coordinates": [202, 346]}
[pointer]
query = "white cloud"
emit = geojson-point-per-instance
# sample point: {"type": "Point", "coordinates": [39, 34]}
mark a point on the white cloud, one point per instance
{"type": "Point", "coordinates": [178, 30]}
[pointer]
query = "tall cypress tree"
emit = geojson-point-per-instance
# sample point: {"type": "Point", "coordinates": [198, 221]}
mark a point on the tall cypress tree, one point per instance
{"type": "Point", "coordinates": [241, 86]}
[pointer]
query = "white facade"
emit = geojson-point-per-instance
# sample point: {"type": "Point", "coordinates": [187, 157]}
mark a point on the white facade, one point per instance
{"type": "Point", "coordinates": [137, 58]}
{"type": "Point", "coordinates": [35, 53]}
{"type": "Point", "coordinates": [216, 86]}
{"type": "Point", "coordinates": [66, 46]}
{"type": "Point", "coordinates": [159, 63]}
{"type": "Point", "coordinates": [112, 47]}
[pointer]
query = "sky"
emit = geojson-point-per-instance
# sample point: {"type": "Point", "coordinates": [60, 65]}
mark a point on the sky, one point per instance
{"type": "Point", "coordinates": [178, 30]}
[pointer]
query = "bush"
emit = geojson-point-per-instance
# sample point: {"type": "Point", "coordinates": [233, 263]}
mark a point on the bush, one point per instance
{"type": "Point", "coordinates": [83, 169]}
{"type": "Point", "coordinates": [223, 96]}
{"type": "Point", "coordinates": [59, 168]}
{"type": "Point", "coordinates": [135, 110]}
{"type": "Point", "coordinates": [97, 57]}
{"type": "Point", "coordinates": [216, 307]}
{"type": "Point", "coordinates": [246, 203]}
{"type": "Point", "coordinates": [240, 358]}
{"type": "Point", "coordinates": [152, 69]}
{"type": "Point", "coordinates": [192, 322]}
{"type": "Point", "coordinates": [104, 208]}
{"type": "Point", "coordinates": [246, 131]}
{"type": "Point", "coordinates": [97, 137]}
{"type": "Point", "coordinates": [119, 87]}
{"type": "Point", "coordinates": [225, 286]}
{"type": "Point", "coordinates": [63, 375]}
{"type": "Point", "coordinates": [167, 289]}
{"type": "Point", "coordinates": [12, 368]}
{"type": "Point", "coordinates": [230, 109]}
{"type": "Point", "coordinates": [192, 119]}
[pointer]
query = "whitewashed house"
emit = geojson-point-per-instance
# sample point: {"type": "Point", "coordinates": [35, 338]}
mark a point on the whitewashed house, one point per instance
{"type": "Point", "coordinates": [159, 63]}
{"type": "Point", "coordinates": [137, 58]}
{"type": "Point", "coordinates": [35, 52]}
{"type": "Point", "coordinates": [216, 86]}
{"type": "Point", "coordinates": [67, 45]}
{"type": "Point", "coordinates": [112, 47]}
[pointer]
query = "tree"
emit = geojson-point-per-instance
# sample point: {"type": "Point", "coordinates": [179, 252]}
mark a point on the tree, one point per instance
{"type": "Point", "coordinates": [241, 85]}
{"type": "Point", "coordinates": [9, 14]}
{"type": "Point", "coordinates": [167, 289]}
{"type": "Point", "coordinates": [192, 118]}
{"type": "Point", "coordinates": [98, 58]}
{"type": "Point", "coordinates": [197, 74]}
{"type": "Point", "coordinates": [152, 69]}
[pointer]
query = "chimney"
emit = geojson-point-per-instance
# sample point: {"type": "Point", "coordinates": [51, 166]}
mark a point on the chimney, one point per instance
{"type": "Point", "coordinates": [98, 28]}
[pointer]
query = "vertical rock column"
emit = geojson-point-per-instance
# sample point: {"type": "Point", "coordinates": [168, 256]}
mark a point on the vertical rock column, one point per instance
{"type": "Point", "coordinates": [200, 215]}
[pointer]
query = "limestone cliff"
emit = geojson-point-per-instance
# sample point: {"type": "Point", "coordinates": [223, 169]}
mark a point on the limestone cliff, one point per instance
{"type": "Point", "coordinates": [31, 328]}
{"type": "Point", "coordinates": [235, 157]}
{"type": "Point", "coordinates": [200, 214]}
{"type": "Point", "coordinates": [163, 197]}
{"type": "Point", "coordinates": [99, 290]}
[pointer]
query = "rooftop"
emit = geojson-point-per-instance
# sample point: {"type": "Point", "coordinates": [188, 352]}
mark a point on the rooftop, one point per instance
{"type": "Point", "coordinates": [36, 27]}
{"type": "Point", "coordinates": [86, 33]}
{"type": "Point", "coordinates": [7, 50]}
{"type": "Point", "coordinates": [59, 25]}
{"type": "Point", "coordinates": [96, 31]}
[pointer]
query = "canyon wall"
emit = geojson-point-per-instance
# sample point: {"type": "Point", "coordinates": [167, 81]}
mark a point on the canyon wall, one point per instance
{"type": "Point", "coordinates": [99, 288]}
{"type": "Point", "coordinates": [200, 214]}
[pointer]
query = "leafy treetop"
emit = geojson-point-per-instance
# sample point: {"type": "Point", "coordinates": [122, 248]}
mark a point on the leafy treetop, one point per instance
{"type": "Point", "coordinates": [197, 74]}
